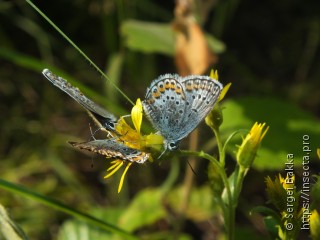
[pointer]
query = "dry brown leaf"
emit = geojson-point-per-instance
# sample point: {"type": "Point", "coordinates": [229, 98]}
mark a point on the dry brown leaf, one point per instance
{"type": "Point", "coordinates": [193, 55]}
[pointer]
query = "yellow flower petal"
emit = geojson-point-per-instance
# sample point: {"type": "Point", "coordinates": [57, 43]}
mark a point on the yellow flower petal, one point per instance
{"type": "Point", "coordinates": [152, 140]}
{"type": "Point", "coordinates": [114, 170]}
{"type": "Point", "coordinates": [128, 135]}
{"type": "Point", "coordinates": [114, 164]}
{"type": "Point", "coordinates": [123, 175]}
{"type": "Point", "coordinates": [288, 182]}
{"type": "Point", "coordinates": [224, 91]}
{"type": "Point", "coordinates": [214, 74]}
{"type": "Point", "coordinates": [136, 115]}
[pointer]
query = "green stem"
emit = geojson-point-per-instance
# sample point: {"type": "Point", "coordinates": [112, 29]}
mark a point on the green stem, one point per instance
{"type": "Point", "coordinates": [238, 182]}
{"type": "Point", "coordinates": [172, 177]}
{"type": "Point", "coordinates": [241, 173]}
{"type": "Point", "coordinates": [22, 191]}
{"type": "Point", "coordinates": [222, 154]}
{"type": "Point", "coordinates": [214, 162]}
{"type": "Point", "coordinates": [231, 136]}
{"type": "Point", "coordinates": [228, 211]}
{"type": "Point", "coordinates": [78, 49]}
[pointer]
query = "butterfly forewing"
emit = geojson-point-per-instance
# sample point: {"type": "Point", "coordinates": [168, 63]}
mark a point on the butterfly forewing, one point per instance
{"type": "Point", "coordinates": [100, 115]}
{"type": "Point", "coordinates": [165, 104]}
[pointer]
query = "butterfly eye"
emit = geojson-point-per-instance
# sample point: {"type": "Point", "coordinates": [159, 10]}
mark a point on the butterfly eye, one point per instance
{"type": "Point", "coordinates": [172, 146]}
{"type": "Point", "coordinates": [110, 125]}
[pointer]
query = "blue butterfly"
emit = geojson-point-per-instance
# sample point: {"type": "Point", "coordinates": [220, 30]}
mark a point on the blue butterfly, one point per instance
{"type": "Point", "coordinates": [175, 105]}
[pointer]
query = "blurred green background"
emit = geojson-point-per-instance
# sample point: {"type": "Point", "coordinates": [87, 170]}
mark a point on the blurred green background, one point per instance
{"type": "Point", "coordinates": [268, 50]}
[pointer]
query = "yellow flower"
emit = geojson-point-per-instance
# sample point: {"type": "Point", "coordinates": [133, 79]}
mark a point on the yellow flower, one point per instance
{"type": "Point", "coordinates": [249, 147]}
{"type": "Point", "coordinates": [214, 75]}
{"type": "Point", "coordinates": [276, 193]}
{"type": "Point", "coordinates": [132, 138]}
{"type": "Point", "coordinates": [215, 117]}
{"type": "Point", "coordinates": [281, 192]}
{"type": "Point", "coordinates": [288, 182]}
{"type": "Point", "coordinates": [315, 224]}
{"type": "Point", "coordinates": [127, 135]}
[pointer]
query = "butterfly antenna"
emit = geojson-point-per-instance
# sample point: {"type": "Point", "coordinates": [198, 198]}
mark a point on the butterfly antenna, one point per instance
{"type": "Point", "coordinates": [92, 162]}
{"type": "Point", "coordinates": [192, 168]}
{"type": "Point", "coordinates": [92, 133]}
{"type": "Point", "coordinates": [95, 131]}
{"type": "Point", "coordinates": [125, 116]}
{"type": "Point", "coordinates": [162, 153]}
{"type": "Point", "coordinates": [92, 136]}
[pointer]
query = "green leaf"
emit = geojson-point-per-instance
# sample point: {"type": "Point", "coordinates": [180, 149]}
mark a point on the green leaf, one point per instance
{"type": "Point", "coordinates": [22, 60]}
{"type": "Point", "coordinates": [215, 45]}
{"type": "Point", "coordinates": [201, 204]}
{"type": "Point", "coordinates": [272, 227]}
{"type": "Point", "coordinates": [114, 72]}
{"type": "Point", "coordinates": [167, 235]}
{"type": "Point", "coordinates": [244, 233]}
{"type": "Point", "coordinates": [55, 204]}
{"type": "Point", "coordinates": [265, 211]}
{"type": "Point", "coordinates": [31, 63]}
{"type": "Point", "coordinates": [145, 209]}
{"type": "Point", "coordinates": [271, 219]}
{"type": "Point", "coordinates": [288, 124]}
{"type": "Point", "coordinates": [150, 37]}
{"type": "Point", "coordinates": [74, 230]}
{"type": "Point", "coordinates": [8, 228]}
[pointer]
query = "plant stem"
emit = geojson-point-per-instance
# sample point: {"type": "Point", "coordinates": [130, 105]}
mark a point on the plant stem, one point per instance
{"type": "Point", "coordinates": [55, 204]}
{"type": "Point", "coordinates": [228, 210]}
{"type": "Point", "coordinates": [222, 154]}
{"type": "Point", "coordinates": [241, 173]}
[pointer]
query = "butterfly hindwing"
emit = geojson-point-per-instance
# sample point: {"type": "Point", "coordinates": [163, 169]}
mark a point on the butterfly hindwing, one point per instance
{"type": "Point", "coordinates": [176, 105]}
{"type": "Point", "coordinates": [113, 149]}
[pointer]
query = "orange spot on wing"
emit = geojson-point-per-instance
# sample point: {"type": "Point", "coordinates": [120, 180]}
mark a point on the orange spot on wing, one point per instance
{"type": "Point", "coordinates": [167, 85]}
{"type": "Point", "coordinates": [189, 86]}
{"type": "Point", "coordinates": [161, 89]}
{"type": "Point", "coordinates": [150, 101]}
{"type": "Point", "coordinates": [178, 90]}
{"type": "Point", "coordinates": [173, 85]}
{"type": "Point", "coordinates": [156, 94]}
